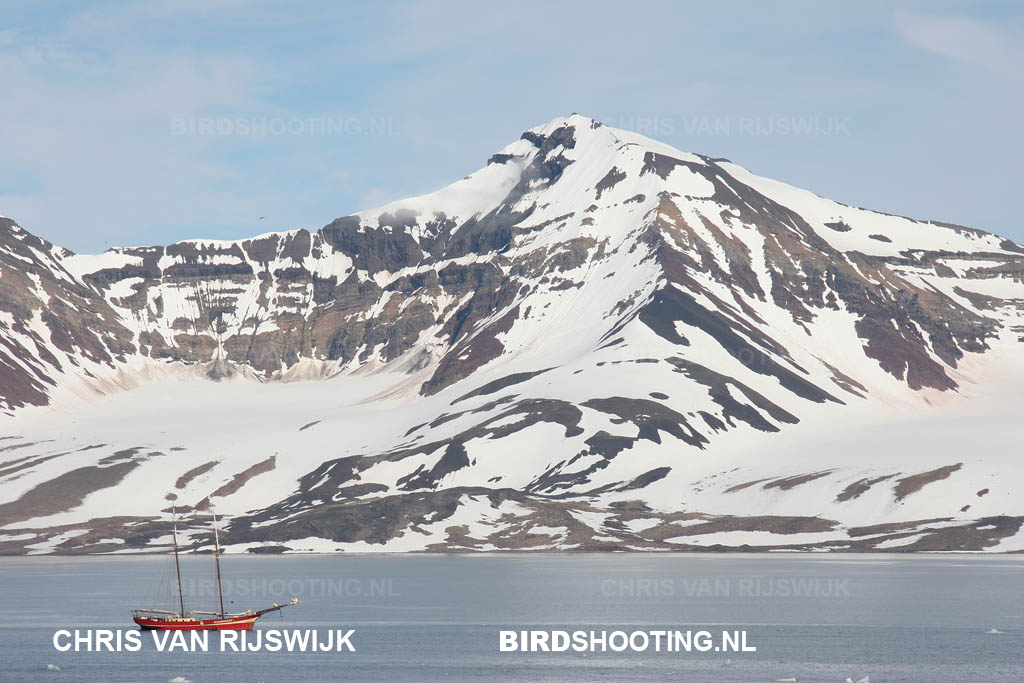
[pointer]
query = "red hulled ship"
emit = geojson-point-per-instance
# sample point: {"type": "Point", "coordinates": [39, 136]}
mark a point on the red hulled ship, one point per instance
{"type": "Point", "coordinates": [195, 620]}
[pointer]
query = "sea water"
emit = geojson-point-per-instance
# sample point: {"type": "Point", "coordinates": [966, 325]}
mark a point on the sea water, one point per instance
{"type": "Point", "coordinates": [811, 617]}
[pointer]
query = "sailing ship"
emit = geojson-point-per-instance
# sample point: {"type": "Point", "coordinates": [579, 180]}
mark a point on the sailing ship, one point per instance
{"type": "Point", "coordinates": [195, 620]}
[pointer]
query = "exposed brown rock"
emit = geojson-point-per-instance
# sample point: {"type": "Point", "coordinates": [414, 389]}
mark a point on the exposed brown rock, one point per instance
{"type": "Point", "coordinates": [860, 487]}
{"type": "Point", "coordinates": [915, 482]}
{"type": "Point", "coordinates": [64, 492]}
{"type": "Point", "coordinates": [787, 483]}
{"type": "Point", "coordinates": [240, 479]}
{"type": "Point", "coordinates": [184, 479]}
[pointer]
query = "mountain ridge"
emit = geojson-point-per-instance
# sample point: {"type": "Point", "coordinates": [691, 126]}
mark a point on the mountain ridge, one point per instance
{"type": "Point", "coordinates": [598, 297]}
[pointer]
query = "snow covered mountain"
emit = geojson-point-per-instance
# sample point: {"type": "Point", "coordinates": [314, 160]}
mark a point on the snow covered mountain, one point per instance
{"type": "Point", "coordinates": [594, 342]}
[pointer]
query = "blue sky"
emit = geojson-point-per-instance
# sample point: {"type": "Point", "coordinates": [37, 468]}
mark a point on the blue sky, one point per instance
{"type": "Point", "coordinates": [126, 124]}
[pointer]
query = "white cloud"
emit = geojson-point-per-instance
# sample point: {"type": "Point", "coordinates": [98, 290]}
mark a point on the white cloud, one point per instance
{"type": "Point", "coordinates": [969, 40]}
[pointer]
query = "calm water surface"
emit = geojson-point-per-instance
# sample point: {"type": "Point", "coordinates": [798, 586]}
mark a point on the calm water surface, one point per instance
{"type": "Point", "coordinates": [437, 618]}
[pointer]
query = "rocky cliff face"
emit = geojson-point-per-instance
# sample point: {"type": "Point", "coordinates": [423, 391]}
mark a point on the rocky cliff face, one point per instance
{"type": "Point", "coordinates": [591, 327]}
{"type": "Point", "coordinates": [51, 323]}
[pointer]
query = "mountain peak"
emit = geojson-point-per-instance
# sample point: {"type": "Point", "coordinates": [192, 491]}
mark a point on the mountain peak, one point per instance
{"type": "Point", "coordinates": [591, 319]}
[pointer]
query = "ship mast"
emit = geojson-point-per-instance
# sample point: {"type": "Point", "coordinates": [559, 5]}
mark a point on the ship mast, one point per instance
{"type": "Point", "coordinates": [216, 559]}
{"type": "Point", "coordinates": [177, 563]}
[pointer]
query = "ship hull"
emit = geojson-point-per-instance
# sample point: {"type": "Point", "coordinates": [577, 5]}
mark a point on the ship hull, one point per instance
{"type": "Point", "coordinates": [234, 623]}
